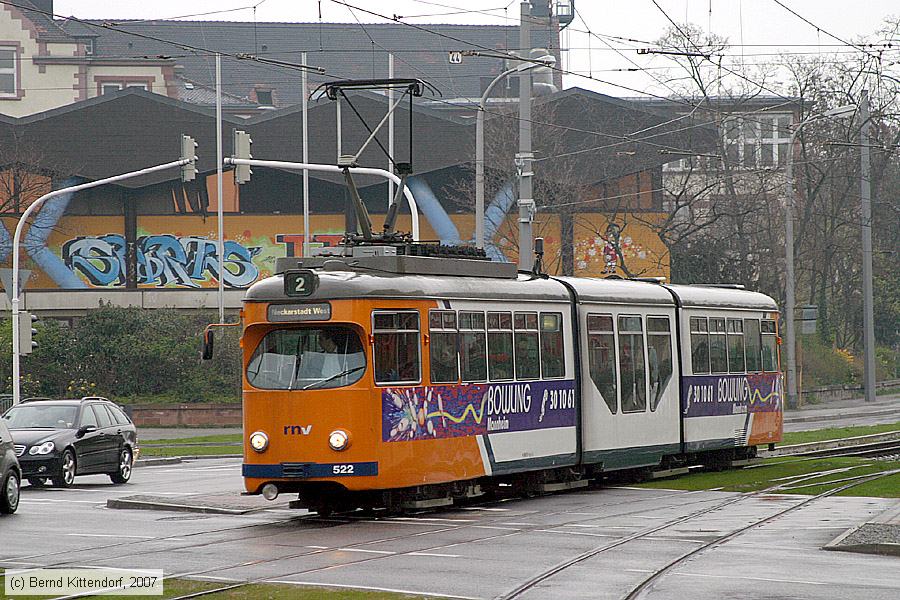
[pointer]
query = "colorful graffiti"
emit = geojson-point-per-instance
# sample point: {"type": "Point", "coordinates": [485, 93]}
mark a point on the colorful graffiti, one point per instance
{"type": "Point", "coordinates": [712, 395]}
{"type": "Point", "coordinates": [162, 260]}
{"type": "Point", "coordinates": [179, 251]}
{"type": "Point", "coordinates": [445, 411]}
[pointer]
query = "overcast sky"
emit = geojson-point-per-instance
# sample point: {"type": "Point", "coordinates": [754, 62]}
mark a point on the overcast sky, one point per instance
{"type": "Point", "coordinates": [759, 29]}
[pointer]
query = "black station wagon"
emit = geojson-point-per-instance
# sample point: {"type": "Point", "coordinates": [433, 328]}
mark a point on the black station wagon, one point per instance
{"type": "Point", "coordinates": [58, 439]}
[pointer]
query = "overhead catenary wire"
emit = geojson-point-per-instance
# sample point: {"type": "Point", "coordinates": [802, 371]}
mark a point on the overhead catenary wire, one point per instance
{"type": "Point", "coordinates": [286, 65]}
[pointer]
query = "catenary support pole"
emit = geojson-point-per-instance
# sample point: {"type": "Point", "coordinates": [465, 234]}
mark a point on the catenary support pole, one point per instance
{"type": "Point", "coordinates": [304, 91]}
{"type": "Point", "coordinates": [17, 237]}
{"type": "Point", "coordinates": [390, 96]}
{"type": "Point", "coordinates": [220, 211]}
{"type": "Point", "coordinates": [866, 218]}
{"type": "Point", "coordinates": [789, 282]}
{"type": "Point", "coordinates": [525, 156]}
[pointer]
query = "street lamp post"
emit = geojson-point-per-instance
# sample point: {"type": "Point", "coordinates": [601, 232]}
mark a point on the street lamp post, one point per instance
{"type": "Point", "coordinates": [789, 281]}
{"type": "Point", "coordinates": [479, 140]}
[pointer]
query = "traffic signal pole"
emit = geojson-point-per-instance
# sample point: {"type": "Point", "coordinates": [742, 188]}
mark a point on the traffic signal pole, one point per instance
{"type": "Point", "coordinates": [17, 240]}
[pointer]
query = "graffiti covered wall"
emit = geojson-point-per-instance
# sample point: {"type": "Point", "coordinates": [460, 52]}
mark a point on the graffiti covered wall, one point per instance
{"type": "Point", "coordinates": [180, 251]}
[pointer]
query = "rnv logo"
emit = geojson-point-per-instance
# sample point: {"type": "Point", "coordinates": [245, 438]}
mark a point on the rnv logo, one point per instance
{"type": "Point", "coordinates": [297, 429]}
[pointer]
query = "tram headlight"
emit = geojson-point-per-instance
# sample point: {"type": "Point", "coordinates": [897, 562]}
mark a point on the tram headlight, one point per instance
{"type": "Point", "coordinates": [259, 441]}
{"type": "Point", "coordinates": [339, 440]}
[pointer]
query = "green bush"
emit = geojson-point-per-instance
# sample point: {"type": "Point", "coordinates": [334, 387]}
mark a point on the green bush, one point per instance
{"type": "Point", "coordinates": [823, 365]}
{"type": "Point", "coordinates": [127, 353]}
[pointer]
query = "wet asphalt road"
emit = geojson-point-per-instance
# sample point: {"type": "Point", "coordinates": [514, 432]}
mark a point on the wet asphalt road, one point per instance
{"type": "Point", "coordinates": [479, 552]}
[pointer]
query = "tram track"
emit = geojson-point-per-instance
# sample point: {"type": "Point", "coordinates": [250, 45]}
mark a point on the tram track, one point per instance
{"type": "Point", "coordinates": [645, 584]}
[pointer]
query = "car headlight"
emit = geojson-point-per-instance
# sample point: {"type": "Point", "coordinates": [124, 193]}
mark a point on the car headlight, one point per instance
{"type": "Point", "coordinates": [338, 440]}
{"type": "Point", "coordinates": [45, 448]}
{"type": "Point", "coordinates": [259, 441]}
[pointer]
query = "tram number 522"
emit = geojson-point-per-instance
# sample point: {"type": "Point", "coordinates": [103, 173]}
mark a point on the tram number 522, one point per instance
{"type": "Point", "coordinates": [300, 283]}
{"type": "Point", "coordinates": [342, 469]}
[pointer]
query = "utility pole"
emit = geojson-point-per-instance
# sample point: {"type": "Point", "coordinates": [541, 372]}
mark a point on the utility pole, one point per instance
{"type": "Point", "coordinates": [304, 91]}
{"type": "Point", "coordinates": [866, 218]}
{"type": "Point", "coordinates": [524, 157]}
{"type": "Point", "coordinates": [220, 210]}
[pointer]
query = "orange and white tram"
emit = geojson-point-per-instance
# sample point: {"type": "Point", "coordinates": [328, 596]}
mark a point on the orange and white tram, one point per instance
{"type": "Point", "coordinates": [413, 381]}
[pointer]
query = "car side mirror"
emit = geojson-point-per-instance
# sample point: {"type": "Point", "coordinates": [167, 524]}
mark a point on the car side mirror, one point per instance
{"type": "Point", "coordinates": [208, 345]}
{"type": "Point", "coordinates": [84, 430]}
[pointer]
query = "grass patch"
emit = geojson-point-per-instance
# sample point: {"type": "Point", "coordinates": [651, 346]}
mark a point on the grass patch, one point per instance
{"type": "Point", "coordinates": [223, 438]}
{"type": "Point", "coordinates": [175, 398]}
{"type": "Point", "coordinates": [771, 472]}
{"type": "Point", "coordinates": [835, 433]}
{"type": "Point", "coordinates": [152, 452]}
{"type": "Point", "coordinates": [256, 591]}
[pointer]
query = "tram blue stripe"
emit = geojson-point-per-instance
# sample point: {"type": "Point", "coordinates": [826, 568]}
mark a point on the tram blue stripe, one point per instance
{"type": "Point", "coordinates": [307, 470]}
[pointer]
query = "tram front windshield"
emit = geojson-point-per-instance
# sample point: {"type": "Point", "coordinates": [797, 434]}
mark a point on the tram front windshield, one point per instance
{"type": "Point", "coordinates": [308, 358]}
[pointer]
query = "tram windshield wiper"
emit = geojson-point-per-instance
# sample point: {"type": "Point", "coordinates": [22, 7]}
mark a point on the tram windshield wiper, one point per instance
{"type": "Point", "coordinates": [335, 376]}
{"type": "Point", "coordinates": [296, 369]}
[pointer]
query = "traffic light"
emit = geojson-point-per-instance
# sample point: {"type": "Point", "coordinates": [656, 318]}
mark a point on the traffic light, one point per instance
{"type": "Point", "coordinates": [27, 332]}
{"type": "Point", "coordinates": [242, 143]}
{"type": "Point", "coordinates": [188, 152]}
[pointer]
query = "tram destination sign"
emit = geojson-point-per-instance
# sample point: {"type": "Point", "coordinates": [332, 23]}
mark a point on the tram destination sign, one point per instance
{"type": "Point", "coordinates": [301, 282]}
{"type": "Point", "coordinates": [285, 313]}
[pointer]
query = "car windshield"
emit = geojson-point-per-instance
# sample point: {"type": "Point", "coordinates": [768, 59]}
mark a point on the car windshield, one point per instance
{"type": "Point", "coordinates": [309, 358]}
{"type": "Point", "coordinates": [41, 416]}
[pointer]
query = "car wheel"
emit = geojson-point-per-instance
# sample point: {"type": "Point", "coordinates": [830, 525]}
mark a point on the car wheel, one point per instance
{"type": "Point", "coordinates": [126, 462]}
{"type": "Point", "coordinates": [66, 475]}
{"type": "Point", "coordinates": [9, 493]}
{"type": "Point", "coordinates": [37, 481]}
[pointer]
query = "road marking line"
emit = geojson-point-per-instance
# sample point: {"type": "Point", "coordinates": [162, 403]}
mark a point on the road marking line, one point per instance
{"type": "Point", "coordinates": [46, 500]}
{"type": "Point", "coordinates": [519, 524]}
{"type": "Point", "coordinates": [374, 588]}
{"type": "Point", "coordinates": [317, 547]}
{"type": "Point", "coordinates": [365, 551]}
{"type": "Point", "coordinates": [606, 535]}
{"type": "Point", "coordinates": [495, 527]}
{"type": "Point", "coordinates": [751, 578]}
{"type": "Point", "coordinates": [434, 554]}
{"type": "Point", "coordinates": [112, 535]}
{"type": "Point", "coordinates": [441, 519]}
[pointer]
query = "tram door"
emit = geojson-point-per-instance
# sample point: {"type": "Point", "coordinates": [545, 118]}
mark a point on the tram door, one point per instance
{"type": "Point", "coordinates": [629, 388]}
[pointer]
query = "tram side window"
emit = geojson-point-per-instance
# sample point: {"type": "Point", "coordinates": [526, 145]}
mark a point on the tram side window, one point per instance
{"type": "Point", "coordinates": [500, 346]}
{"type": "Point", "coordinates": [699, 345]}
{"type": "Point", "coordinates": [472, 346]}
{"type": "Point", "coordinates": [552, 354]}
{"type": "Point", "coordinates": [718, 353]}
{"type": "Point", "coordinates": [528, 362]}
{"type": "Point", "coordinates": [735, 346]}
{"type": "Point", "coordinates": [602, 358]}
{"type": "Point", "coordinates": [632, 370]}
{"type": "Point", "coordinates": [396, 351]}
{"type": "Point", "coordinates": [751, 345]}
{"type": "Point", "coordinates": [443, 345]}
{"type": "Point", "coordinates": [769, 346]}
{"type": "Point", "coordinates": [659, 357]}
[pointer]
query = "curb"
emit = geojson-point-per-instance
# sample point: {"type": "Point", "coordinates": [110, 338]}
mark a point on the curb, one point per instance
{"type": "Point", "coordinates": [124, 503]}
{"type": "Point", "coordinates": [793, 449]}
{"type": "Point", "coordinates": [172, 460]}
{"type": "Point", "coordinates": [837, 417]}
{"type": "Point", "coordinates": [162, 460]}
